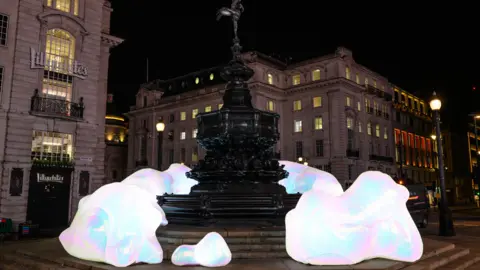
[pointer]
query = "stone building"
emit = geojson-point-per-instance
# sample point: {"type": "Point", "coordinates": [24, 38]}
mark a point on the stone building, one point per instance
{"type": "Point", "coordinates": [473, 136]}
{"type": "Point", "coordinates": [54, 67]}
{"type": "Point", "coordinates": [335, 114]}
{"type": "Point", "coordinates": [116, 132]}
{"type": "Point", "coordinates": [415, 144]}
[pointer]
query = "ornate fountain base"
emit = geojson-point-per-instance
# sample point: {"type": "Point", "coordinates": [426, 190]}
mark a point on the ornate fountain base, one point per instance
{"type": "Point", "coordinates": [258, 210]}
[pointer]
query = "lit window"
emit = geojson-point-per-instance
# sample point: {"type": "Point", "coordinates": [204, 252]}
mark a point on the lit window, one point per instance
{"type": "Point", "coordinates": [357, 78]}
{"type": "Point", "coordinates": [298, 125]}
{"type": "Point", "coordinates": [296, 79]}
{"type": "Point", "coordinates": [349, 122]}
{"type": "Point", "coordinates": [220, 106]}
{"type": "Point", "coordinates": [194, 133]}
{"type": "Point", "coordinates": [270, 105]}
{"type": "Point", "coordinates": [60, 52]}
{"type": "Point", "coordinates": [377, 130]}
{"type": "Point", "coordinates": [318, 123]}
{"type": "Point", "coordinates": [347, 73]}
{"type": "Point", "coordinates": [317, 102]}
{"type": "Point", "coordinates": [64, 5]}
{"type": "Point", "coordinates": [270, 78]}
{"type": "Point", "coordinates": [208, 109]}
{"type": "Point", "coordinates": [316, 75]}
{"type": "Point", "coordinates": [194, 113]}
{"type": "Point", "coordinates": [3, 29]}
{"type": "Point", "coordinates": [375, 83]}
{"type": "Point", "coordinates": [359, 106]}
{"type": "Point", "coordinates": [183, 135]}
{"type": "Point", "coordinates": [52, 146]}
{"type": "Point", "coordinates": [369, 128]}
{"type": "Point", "coordinates": [348, 101]}
{"type": "Point", "coordinates": [212, 76]}
{"type": "Point", "coordinates": [359, 126]}
{"type": "Point", "coordinates": [195, 154]}
{"type": "Point", "coordinates": [197, 80]}
{"type": "Point", "coordinates": [385, 133]}
{"type": "Point", "coordinates": [183, 116]}
{"type": "Point", "coordinates": [366, 81]}
{"type": "Point", "coordinates": [297, 105]}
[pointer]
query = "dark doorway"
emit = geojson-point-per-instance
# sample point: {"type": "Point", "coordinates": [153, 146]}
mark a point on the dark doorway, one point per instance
{"type": "Point", "coordinates": [49, 197]}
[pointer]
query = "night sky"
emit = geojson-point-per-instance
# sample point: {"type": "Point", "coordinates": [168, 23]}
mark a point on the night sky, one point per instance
{"type": "Point", "coordinates": [419, 48]}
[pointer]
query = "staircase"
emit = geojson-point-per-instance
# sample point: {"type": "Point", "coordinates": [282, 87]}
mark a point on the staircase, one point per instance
{"type": "Point", "coordinates": [260, 246]}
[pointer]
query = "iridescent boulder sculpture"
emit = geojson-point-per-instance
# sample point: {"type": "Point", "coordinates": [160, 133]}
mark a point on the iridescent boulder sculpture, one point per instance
{"type": "Point", "coordinates": [369, 220]}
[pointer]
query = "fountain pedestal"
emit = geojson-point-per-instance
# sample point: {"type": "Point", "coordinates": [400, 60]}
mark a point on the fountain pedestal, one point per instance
{"type": "Point", "coordinates": [238, 178]}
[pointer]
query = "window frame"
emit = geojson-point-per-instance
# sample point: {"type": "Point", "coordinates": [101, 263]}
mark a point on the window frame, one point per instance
{"type": "Point", "coordinates": [72, 8]}
{"type": "Point", "coordinates": [6, 29]}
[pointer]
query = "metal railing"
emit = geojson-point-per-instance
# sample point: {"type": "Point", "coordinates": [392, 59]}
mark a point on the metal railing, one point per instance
{"type": "Point", "coordinates": [56, 107]}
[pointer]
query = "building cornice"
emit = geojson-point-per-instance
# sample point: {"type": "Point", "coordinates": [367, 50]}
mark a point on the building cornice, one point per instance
{"type": "Point", "coordinates": [111, 41]}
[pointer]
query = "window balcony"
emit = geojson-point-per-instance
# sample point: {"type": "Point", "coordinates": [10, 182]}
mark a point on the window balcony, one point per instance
{"type": "Point", "coordinates": [403, 107]}
{"type": "Point", "coordinates": [50, 107]}
{"type": "Point", "coordinates": [381, 158]}
{"type": "Point", "coordinates": [369, 110]}
{"type": "Point", "coordinates": [354, 153]}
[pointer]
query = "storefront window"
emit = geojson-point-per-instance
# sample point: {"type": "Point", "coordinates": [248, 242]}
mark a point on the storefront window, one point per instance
{"type": "Point", "coordinates": [52, 146]}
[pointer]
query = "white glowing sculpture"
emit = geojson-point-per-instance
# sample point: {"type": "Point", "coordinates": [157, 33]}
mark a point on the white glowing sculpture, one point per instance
{"type": "Point", "coordinates": [211, 251]}
{"type": "Point", "coordinates": [116, 225]}
{"type": "Point", "coordinates": [370, 220]}
{"type": "Point", "coordinates": [301, 178]}
{"type": "Point", "coordinates": [171, 181]}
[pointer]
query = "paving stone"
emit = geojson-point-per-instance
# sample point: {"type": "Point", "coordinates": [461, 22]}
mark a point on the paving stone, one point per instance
{"type": "Point", "coordinates": [439, 260]}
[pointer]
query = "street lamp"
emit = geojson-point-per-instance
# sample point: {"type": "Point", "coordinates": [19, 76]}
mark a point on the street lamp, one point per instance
{"type": "Point", "coordinates": [445, 215]}
{"type": "Point", "coordinates": [433, 136]}
{"type": "Point", "coordinates": [160, 126]}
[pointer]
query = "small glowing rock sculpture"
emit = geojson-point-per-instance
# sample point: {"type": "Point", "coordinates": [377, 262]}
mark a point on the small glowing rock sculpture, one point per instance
{"type": "Point", "coordinates": [370, 220]}
{"type": "Point", "coordinates": [211, 251]}
{"type": "Point", "coordinates": [116, 225]}
{"type": "Point", "coordinates": [302, 178]}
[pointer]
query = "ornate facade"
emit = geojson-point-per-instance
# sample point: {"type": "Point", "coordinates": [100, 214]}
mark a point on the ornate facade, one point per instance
{"type": "Point", "coordinates": [335, 114]}
{"type": "Point", "coordinates": [54, 63]}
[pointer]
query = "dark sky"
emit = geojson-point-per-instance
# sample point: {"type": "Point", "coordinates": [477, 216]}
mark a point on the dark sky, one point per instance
{"type": "Point", "coordinates": [419, 48]}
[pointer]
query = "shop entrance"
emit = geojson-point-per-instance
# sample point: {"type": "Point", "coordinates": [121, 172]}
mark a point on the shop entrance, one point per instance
{"type": "Point", "coordinates": [49, 197]}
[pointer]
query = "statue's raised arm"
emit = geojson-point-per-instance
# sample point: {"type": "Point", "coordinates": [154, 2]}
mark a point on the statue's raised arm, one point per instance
{"type": "Point", "coordinates": [235, 11]}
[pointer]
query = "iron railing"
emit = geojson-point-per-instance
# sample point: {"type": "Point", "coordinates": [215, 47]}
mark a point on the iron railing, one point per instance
{"type": "Point", "coordinates": [56, 107]}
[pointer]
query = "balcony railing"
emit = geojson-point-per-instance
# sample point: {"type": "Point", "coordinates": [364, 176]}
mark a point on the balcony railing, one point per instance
{"type": "Point", "coordinates": [386, 116]}
{"type": "Point", "coordinates": [353, 153]}
{"type": "Point", "coordinates": [381, 158]}
{"type": "Point", "coordinates": [369, 109]}
{"type": "Point", "coordinates": [56, 107]}
{"type": "Point", "coordinates": [402, 106]}
{"type": "Point", "coordinates": [378, 113]}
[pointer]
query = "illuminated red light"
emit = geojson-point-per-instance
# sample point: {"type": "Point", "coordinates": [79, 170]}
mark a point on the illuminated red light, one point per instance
{"type": "Point", "coordinates": [3, 220]}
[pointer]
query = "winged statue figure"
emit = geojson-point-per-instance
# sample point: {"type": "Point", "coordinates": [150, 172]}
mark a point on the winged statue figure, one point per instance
{"type": "Point", "coordinates": [235, 11]}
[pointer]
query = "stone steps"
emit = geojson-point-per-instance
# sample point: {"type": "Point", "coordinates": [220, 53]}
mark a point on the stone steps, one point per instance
{"type": "Point", "coordinates": [470, 261]}
{"type": "Point", "coordinates": [244, 243]}
{"type": "Point", "coordinates": [444, 260]}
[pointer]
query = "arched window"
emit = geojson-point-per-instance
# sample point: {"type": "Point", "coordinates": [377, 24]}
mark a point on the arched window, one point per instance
{"type": "Point", "coordinates": [59, 53]}
{"type": "Point", "coordinates": [377, 130]}
{"type": "Point", "coordinates": [70, 6]}
{"type": "Point", "coordinates": [369, 128]}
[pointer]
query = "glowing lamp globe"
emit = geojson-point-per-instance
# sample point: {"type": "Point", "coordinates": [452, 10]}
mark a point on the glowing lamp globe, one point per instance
{"type": "Point", "coordinates": [435, 103]}
{"type": "Point", "coordinates": [160, 126]}
{"type": "Point", "coordinates": [434, 137]}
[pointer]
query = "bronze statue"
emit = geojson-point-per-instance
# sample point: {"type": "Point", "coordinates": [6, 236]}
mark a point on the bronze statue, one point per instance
{"type": "Point", "coordinates": [235, 11]}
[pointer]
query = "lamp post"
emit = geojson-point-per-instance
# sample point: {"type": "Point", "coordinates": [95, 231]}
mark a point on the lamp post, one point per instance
{"type": "Point", "coordinates": [160, 126]}
{"type": "Point", "coordinates": [445, 215]}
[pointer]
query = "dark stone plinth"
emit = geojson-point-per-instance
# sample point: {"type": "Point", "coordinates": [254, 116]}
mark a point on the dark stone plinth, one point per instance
{"type": "Point", "coordinates": [255, 210]}
{"type": "Point", "coordinates": [238, 178]}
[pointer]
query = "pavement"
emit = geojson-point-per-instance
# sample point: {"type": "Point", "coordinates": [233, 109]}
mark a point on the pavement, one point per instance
{"type": "Point", "coordinates": [467, 225]}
